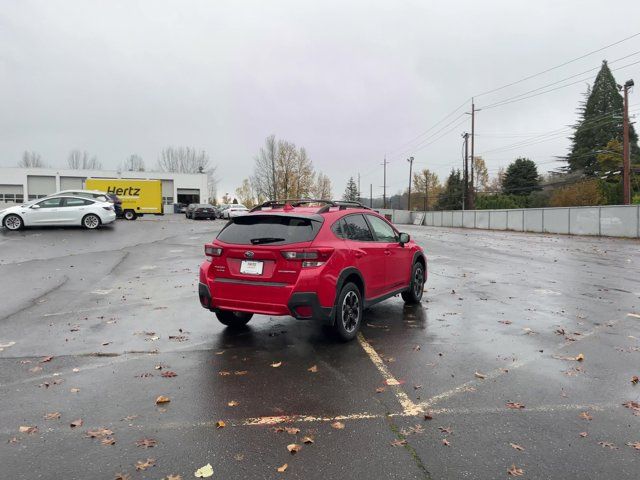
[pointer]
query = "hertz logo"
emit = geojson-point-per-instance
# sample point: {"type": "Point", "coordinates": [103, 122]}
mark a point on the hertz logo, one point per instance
{"type": "Point", "coordinates": [129, 191]}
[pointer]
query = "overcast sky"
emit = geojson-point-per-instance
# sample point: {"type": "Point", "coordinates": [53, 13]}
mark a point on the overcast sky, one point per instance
{"type": "Point", "coordinates": [350, 81]}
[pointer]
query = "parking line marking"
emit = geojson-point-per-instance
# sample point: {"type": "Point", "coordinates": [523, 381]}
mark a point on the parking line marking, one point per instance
{"type": "Point", "coordinates": [472, 383]}
{"type": "Point", "coordinates": [408, 406]}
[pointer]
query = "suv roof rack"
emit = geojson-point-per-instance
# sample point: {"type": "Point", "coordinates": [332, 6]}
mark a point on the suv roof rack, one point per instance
{"type": "Point", "coordinates": [328, 204]}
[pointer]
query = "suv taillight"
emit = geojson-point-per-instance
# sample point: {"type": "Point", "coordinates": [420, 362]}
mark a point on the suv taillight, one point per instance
{"type": "Point", "coordinates": [211, 251]}
{"type": "Point", "coordinates": [310, 257]}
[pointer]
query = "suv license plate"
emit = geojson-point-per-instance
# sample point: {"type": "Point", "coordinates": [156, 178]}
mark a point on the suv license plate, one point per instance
{"type": "Point", "coordinates": [251, 267]}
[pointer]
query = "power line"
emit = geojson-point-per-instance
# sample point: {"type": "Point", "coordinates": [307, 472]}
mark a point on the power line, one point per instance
{"type": "Point", "coordinates": [558, 66]}
{"type": "Point", "coordinates": [517, 99]}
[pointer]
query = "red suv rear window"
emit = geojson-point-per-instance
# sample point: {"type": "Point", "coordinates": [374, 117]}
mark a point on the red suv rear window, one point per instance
{"type": "Point", "coordinates": [269, 229]}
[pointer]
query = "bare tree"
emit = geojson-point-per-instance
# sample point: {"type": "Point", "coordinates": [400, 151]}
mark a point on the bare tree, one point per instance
{"type": "Point", "coordinates": [134, 163]}
{"type": "Point", "coordinates": [212, 185]}
{"type": "Point", "coordinates": [78, 160]}
{"type": "Point", "coordinates": [183, 160]}
{"type": "Point", "coordinates": [31, 160]}
{"type": "Point", "coordinates": [264, 174]}
{"type": "Point", "coordinates": [322, 187]}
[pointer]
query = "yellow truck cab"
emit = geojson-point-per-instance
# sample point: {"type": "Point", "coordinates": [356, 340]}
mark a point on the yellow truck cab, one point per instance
{"type": "Point", "coordinates": [138, 196]}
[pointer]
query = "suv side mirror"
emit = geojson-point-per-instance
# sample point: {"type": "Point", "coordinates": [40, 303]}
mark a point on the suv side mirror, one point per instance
{"type": "Point", "coordinates": [35, 207]}
{"type": "Point", "coordinates": [404, 238]}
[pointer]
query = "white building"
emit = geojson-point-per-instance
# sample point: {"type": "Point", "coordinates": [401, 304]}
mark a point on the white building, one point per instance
{"type": "Point", "coordinates": [18, 185]}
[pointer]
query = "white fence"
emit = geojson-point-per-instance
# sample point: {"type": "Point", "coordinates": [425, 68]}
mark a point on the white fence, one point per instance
{"type": "Point", "coordinates": [608, 221]}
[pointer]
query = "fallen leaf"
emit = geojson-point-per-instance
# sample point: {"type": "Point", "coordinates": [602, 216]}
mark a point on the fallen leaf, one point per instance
{"type": "Point", "coordinates": [74, 390]}
{"type": "Point", "coordinates": [140, 465]}
{"type": "Point", "coordinates": [168, 374]}
{"type": "Point", "coordinates": [380, 389]}
{"type": "Point", "coordinates": [506, 322]}
{"type": "Point", "coordinates": [584, 434]}
{"type": "Point", "coordinates": [240, 372]}
{"type": "Point", "coordinates": [515, 405]}
{"type": "Point", "coordinates": [108, 441]}
{"type": "Point", "coordinates": [173, 477]}
{"type": "Point", "coordinates": [46, 359]}
{"type": "Point", "coordinates": [35, 369]}
{"type": "Point", "coordinates": [635, 406]}
{"type": "Point", "coordinates": [428, 416]}
{"type": "Point", "coordinates": [338, 425]}
{"type": "Point", "coordinates": [308, 440]}
{"type": "Point", "coordinates": [52, 416]}
{"type": "Point", "coordinates": [99, 433]}
{"type": "Point", "coordinates": [283, 468]}
{"type": "Point", "coordinates": [276, 364]}
{"type": "Point", "coordinates": [608, 445]}
{"type": "Point", "coordinates": [635, 380]}
{"type": "Point", "coordinates": [224, 373]}
{"type": "Point", "coordinates": [635, 445]}
{"type": "Point", "coordinates": [515, 471]}
{"type": "Point", "coordinates": [220, 424]}
{"type": "Point", "coordinates": [399, 443]}
{"type": "Point", "coordinates": [445, 429]}
{"type": "Point", "coordinates": [292, 430]}
{"type": "Point", "coordinates": [233, 403]}
{"type": "Point", "coordinates": [28, 429]}
{"type": "Point", "coordinates": [76, 423]}
{"type": "Point", "coordinates": [445, 442]}
{"type": "Point", "coordinates": [580, 357]}
{"type": "Point", "coordinates": [146, 443]}
{"type": "Point", "coordinates": [517, 447]}
{"type": "Point", "coordinates": [313, 369]}
{"type": "Point", "coordinates": [294, 448]}
{"type": "Point", "coordinates": [585, 416]}
{"type": "Point", "coordinates": [480, 375]}
{"type": "Point", "coordinates": [162, 399]}
{"type": "Point", "coordinates": [392, 382]}
{"type": "Point", "coordinates": [122, 476]}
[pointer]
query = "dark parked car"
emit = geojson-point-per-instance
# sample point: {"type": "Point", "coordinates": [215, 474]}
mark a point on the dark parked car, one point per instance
{"type": "Point", "coordinates": [203, 210]}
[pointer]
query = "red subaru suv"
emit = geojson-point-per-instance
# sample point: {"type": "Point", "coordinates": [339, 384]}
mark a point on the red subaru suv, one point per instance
{"type": "Point", "coordinates": [311, 259]}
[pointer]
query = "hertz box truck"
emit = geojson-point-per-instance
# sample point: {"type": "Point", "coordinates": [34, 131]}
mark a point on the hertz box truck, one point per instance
{"type": "Point", "coordinates": [138, 196]}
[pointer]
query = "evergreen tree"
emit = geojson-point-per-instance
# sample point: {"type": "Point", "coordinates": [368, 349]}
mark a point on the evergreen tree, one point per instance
{"type": "Point", "coordinates": [450, 198]}
{"type": "Point", "coordinates": [521, 177]}
{"type": "Point", "coordinates": [351, 192]}
{"type": "Point", "coordinates": [600, 122]}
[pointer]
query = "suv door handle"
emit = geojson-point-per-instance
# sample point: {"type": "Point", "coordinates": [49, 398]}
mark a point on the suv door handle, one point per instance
{"type": "Point", "coordinates": [359, 253]}
{"type": "Point", "coordinates": [387, 252]}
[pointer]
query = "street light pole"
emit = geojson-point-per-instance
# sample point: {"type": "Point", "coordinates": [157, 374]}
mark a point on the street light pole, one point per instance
{"type": "Point", "coordinates": [626, 167]}
{"type": "Point", "coordinates": [410, 160]}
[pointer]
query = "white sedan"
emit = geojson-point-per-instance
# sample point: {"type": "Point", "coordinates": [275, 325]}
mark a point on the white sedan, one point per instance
{"type": "Point", "coordinates": [62, 210]}
{"type": "Point", "coordinates": [235, 211]}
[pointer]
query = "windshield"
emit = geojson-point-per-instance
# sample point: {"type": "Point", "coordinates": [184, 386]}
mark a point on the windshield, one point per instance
{"type": "Point", "coordinates": [271, 229]}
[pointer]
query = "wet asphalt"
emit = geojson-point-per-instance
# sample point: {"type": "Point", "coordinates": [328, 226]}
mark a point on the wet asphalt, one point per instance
{"type": "Point", "coordinates": [488, 362]}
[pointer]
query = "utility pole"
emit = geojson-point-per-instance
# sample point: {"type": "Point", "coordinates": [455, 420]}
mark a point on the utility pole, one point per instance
{"type": "Point", "coordinates": [410, 160]}
{"type": "Point", "coordinates": [426, 189]}
{"type": "Point", "coordinates": [472, 193]}
{"type": "Point", "coordinates": [626, 167]}
{"type": "Point", "coordinates": [358, 186]}
{"type": "Point", "coordinates": [371, 195]}
{"type": "Point", "coordinates": [384, 186]}
{"type": "Point", "coordinates": [465, 190]}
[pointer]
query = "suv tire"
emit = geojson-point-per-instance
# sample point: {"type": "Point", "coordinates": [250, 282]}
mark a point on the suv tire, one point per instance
{"type": "Point", "coordinates": [13, 222]}
{"type": "Point", "coordinates": [233, 319]}
{"type": "Point", "coordinates": [348, 312]}
{"type": "Point", "coordinates": [413, 295]}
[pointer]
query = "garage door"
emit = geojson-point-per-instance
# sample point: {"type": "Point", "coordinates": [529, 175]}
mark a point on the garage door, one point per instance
{"type": "Point", "coordinates": [188, 195]}
{"type": "Point", "coordinates": [40, 186]}
{"type": "Point", "coordinates": [71, 183]}
{"type": "Point", "coordinates": [11, 194]}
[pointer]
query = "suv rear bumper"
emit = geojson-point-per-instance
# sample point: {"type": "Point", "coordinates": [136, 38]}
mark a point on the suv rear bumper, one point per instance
{"type": "Point", "coordinates": [309, 300]}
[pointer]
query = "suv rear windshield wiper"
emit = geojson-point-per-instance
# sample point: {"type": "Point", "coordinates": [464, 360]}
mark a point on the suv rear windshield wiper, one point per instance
{"type": "Point", "coordinates": [256, 241]}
